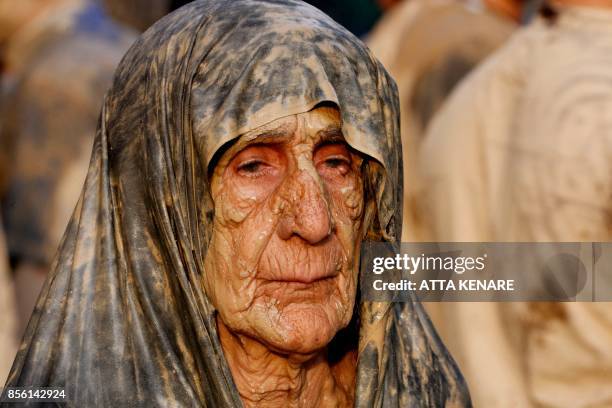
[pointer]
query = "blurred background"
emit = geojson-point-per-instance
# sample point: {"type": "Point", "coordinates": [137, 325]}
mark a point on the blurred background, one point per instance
{"type": "Point", "coordinates": [506, 110]}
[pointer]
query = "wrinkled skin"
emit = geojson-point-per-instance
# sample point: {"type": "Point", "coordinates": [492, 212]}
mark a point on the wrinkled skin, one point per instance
{"type": "Point", "coordinates": [282, 266]}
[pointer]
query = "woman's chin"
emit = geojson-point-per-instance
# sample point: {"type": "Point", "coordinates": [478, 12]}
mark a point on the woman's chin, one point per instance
{"type": "Point", "coordinates": [302, 329]}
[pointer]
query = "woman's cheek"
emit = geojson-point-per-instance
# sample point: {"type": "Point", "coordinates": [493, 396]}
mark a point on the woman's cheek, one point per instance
{"type": "Point", "coordinates": [348, 200]}
{"type": "Point", "coordinates": [230, 293]}
{"type": "Point", "coordinates": [347, 209]}
{"type": "Point", "coordinates": [242, 228]}
{"type": "Point", "coordinates": [234, 204]}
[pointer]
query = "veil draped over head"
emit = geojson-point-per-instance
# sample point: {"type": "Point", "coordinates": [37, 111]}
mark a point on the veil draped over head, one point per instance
{"type": "Point", "coordinates": [123, 318]}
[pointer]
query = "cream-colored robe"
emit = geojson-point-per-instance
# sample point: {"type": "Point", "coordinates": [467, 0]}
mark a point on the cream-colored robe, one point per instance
{"type": "Point", "coordinates": [428, 46]}
{"type": "Point", "coordinates": [522, 151]}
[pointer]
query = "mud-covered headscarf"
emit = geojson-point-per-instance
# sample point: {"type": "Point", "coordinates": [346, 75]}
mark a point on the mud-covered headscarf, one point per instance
{"type": "Point", "coordinates": [123, 318]}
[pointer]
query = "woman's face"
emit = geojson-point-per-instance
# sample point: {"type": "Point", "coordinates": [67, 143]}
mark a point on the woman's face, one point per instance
{"type": "Point", "coordinates": [283, 260]}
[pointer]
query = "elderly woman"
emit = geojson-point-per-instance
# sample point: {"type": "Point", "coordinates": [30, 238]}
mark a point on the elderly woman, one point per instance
{"type": "Point", "coordinates": [246, 150]}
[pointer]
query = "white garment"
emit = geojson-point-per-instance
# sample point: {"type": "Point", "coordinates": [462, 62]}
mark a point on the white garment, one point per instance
{"type": "Point", "coordinates": [522, 151]}
{"type": "Point", "coordinates": [428, 46]}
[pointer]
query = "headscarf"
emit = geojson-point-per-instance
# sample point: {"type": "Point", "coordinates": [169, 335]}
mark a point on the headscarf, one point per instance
{"type": "Point", "coordinates": [123, 318]}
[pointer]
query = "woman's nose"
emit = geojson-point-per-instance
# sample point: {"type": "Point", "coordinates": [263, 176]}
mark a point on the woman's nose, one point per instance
{"type": "Point", "coordinates": [309, 216]}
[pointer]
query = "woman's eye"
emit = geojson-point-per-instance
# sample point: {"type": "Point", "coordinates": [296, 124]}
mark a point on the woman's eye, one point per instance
{"type": "Point", "coordinates": [334, 166]}
{"type": "Point", "coordinates": [251, 167]}
{"type": "Point", "coordinates": [336, 162]}
{"type": "Point", "coordinates": [332, 159]}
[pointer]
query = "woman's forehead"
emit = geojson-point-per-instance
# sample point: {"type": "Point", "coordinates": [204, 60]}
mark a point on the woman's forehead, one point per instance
{"type": "Point", "coordinates": [318, 125]}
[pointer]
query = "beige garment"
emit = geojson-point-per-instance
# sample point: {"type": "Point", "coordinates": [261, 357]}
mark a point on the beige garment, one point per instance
{"type": "Point", "coordinates": [428, 46]}
{"type": "Point", "coordinates": [522, 151]}
{"type": "Point", "coordinates": [8, 342]}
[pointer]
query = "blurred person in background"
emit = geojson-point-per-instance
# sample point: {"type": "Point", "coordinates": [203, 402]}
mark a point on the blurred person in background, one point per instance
{"type": "Point", "coordinates": [58, 60]}
{"type": "Point", "coordinates": [138, 14]}
{"type": "Point", "coordinates": [522, 151]}
{"type": "Point", "coordinates": [428, 46]}
{"type": "Point", "coordinates": [358, 16]}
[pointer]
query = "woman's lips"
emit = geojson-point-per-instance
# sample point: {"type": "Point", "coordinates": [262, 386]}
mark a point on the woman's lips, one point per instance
{"type": "Point", "coordinates": [305, 279]}
{"type": "Point", "coordinates": [299, 262]}
{"type": "Point", "coordinates": [292, 292]}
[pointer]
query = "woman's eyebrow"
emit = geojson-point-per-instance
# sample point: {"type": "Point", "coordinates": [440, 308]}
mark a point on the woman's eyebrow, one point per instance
{"type": "Point", "coordinates": [330, 134]}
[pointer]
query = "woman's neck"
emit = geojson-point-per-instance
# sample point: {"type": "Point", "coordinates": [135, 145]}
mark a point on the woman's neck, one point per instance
{"type": "Point", "coordinates": [265, 378]}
